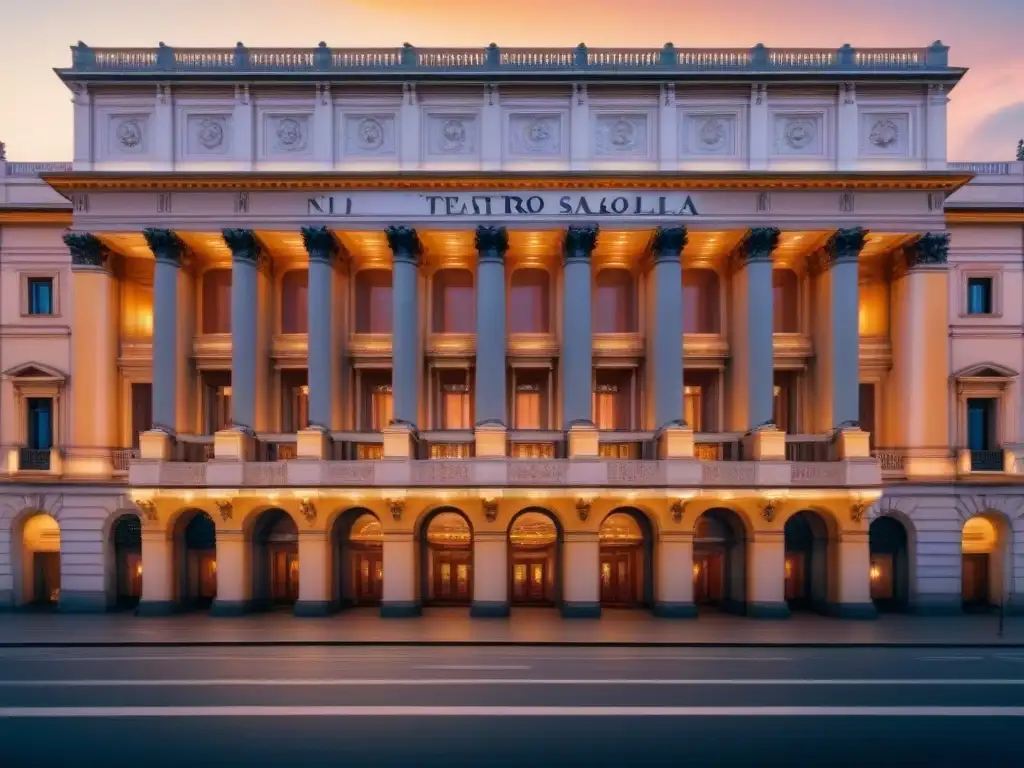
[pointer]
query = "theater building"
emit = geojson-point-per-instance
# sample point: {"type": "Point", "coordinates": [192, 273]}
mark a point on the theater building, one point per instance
{"type": "Point", "coordinates": [671, 330]}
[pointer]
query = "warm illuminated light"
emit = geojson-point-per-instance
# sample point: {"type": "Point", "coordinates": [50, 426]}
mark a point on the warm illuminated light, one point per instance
{"type": "Point", "coordinates": [789, 568]}
{"type": "Point", "coordinates": [875, 573]}
{"type": "Point", "coordinates": [138, 569]}
{"type": "Point", "coordinates": [696, 569]}
{"type": "Point", "coordinates": [213, 566]}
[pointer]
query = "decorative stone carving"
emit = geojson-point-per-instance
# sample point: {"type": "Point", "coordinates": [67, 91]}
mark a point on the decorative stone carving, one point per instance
{"type": "Point", "coordinates": [583, 509]}
{"type": "Point", "coordinates": [210, 132]}
{"type": "Point", "coordinates": [291, 134]}
{"type": "Point", "coordinates": [165, 245]}
{"type": "Point", "coordinates": [320, 243]}
{"type": "Point", "coordinates": [768, 512]}
{"type": "Point", "coordinates": [758, 244]}
{"type": "Point", "coordinates": [678, 509]}
{"type": "Point", "coordinates": [668, 243]}
{"type": "Point", "coordinates": [490, 510]}
{"type": "Point", "coordinates": [404, 243]}
{"type": "Point", "coordinates": [622, 135]}
{"type": "Point", "coordinates": [712, 134]}
{"type": "Point", "coordinates": [536, 472]}
{"type": "Point", "coordinates": [799, 133]}
{"type": "Point", "coordinates": [397, 507]}
{"type": "Point", "coordinates": [147, 510]}
{"type": "Point", "coordinates": [308, 510]}
{"type": "Point", "coordinates": [884, 133]}
{"type": "Point", "coordinates": [846, 201]}
{"type": "Point", "coordinates": [453, 135]}
{"type": "Point", "coordinates": [370, 133]}
{"type": "Point", "coordinates": [760, 92]}
{"type": "Point", "coordinates": [764, 202]}
{"type": "Point", "coordinates": [225, 508]}
{"type": "Point", "coordinates": [580, 242]}
{"type": "Point", "coordinates": [129, 133]}
{"type": "Point", "coordinates": [242, 202]}
{"type": "Point", "coordinates": [243, 244]}
{"type": "Point", "coordinates": [86, 249]}
{"type": "Point", "coordinates": [845, 244]}
{"type": "Point", "coordinates": [930, 249]}
{"type": "Point", "coordinates": [536, 134]}
{"type": "Point", "coordinates": [633, 472]}
{"type": "Point", "coordinates": [3, 151]}
{"type": "Point", "coordinates": [857, 511]}
{"type": "Point", "coordinates": [491, 243]}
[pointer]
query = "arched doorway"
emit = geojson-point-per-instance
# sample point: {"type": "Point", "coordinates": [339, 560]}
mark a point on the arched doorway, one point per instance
{"type": "Point", "coordinates": [807, 564]}
{"type": "Point", "coordinates": [359, 558]}
{"type": "Point", "coordinates": [195, 541]}
{"type": "Point", "coordinates": [38, 569]}
{"type": "Point", "coordinates": [533, 543]}
{"type": "Point", "coordinates": [126, 537]}
{"type": "Point", "coordinates": [275, 561]}
{"type": "Point", "coordinates": [625, 560]}
{"type": "Point", "coordinates": [890, 569]}
{"type": "Point", "coordinates": [720, 561]}
{"type": "Point", "coordinates": [448, 559]}
{"type": "Point", "coordinates": [984, 568]}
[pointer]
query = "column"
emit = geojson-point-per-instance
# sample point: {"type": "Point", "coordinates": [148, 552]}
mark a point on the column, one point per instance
{"type": "Point", "coordinates": [581, 574]}
{"type": "Point", "coordinates": [158, 596]}
{"type": "Point", "coordinates": [753, 362]}
{"type": "Point", "coordinates": [673, 588]}
{"type": "Point", "coordinates": [405, 324]}
{"type": "Point", "coordinates": [766, 575]}
{"type": "Point", "coordinates": [577, 344]}
{"type": "Point", "coordinates": [918, 385]}
{"type": "Point", "coordinates": [322, 250]}
{"type": "Point", "coordinates": [245, 254]}
{"type": "Point", "coordinates": [400, 597]}
{"type": "Point", "coordinates": [314, 570]}
{"type": "Point", "coordinates": [490, 574]}
{"type": "Point", "coordinates": [93, 419]}
{"type": "Point", "coordinates": [167, 251]}
{"type": "Point", "coordinates": [840, 355]}
{"type": "Point", "coordinates": [234, 574]}
{"type": "Point", "coordinates": [852, 596]}
{"type": "Point", "coordinates": [491, 402]}
{"type": "Point", "coordinates": [668, 326]}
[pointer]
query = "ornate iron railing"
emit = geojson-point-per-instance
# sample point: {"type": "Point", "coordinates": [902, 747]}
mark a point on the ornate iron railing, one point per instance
{"type": "Point", "coordinates": [410, 59]}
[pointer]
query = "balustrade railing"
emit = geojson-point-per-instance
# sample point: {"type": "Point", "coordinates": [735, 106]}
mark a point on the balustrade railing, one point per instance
{"type": "Point", "coordinates": [34, 459]}
{"type": "Point", "coordinates": [28, 170]}
{"type": "Point", "coordinates": [982, 169]}
{"type": "Point", "coordinates": [986, 461]}
{"type": "Point", "coordinates": [667, 59]}
{"type": "Point", "coordinates": [809, 448]}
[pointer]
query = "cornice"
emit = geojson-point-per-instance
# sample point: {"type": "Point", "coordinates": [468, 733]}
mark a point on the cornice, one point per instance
{"type": "Point", "coordinates": [935, 181]}
{"type": "Point", "coordinates": [968, 216]}
{"type": "Point", "coordinates": [36, 218]}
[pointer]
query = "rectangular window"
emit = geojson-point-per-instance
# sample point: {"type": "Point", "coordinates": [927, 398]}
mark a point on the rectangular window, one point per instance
{"type": "Point", "coordinates": [613, 398]}
{"type": "Point", "coordinates": [40, 424]}
{"type": "Point", "coordinates": [530, 401]}
{"type": "Point", "coordinates": [981, 424]}
{"type": "Point", "coordinates": [40, 295]}
{"type": "Point", "coordinates": [784, 410]}
{"type": "Point", "coordinates": [700, 400]}
{"type": "Point", "coordinates": [217, 401]}
{"type": "Point", "coordinates": [142, 410]}
{"type": "Point", "coordinates": [867, 411]}
{"type": "Point", "coordinates": [376, 404]}
{"type": "Point", "coordinates": [455, 400]}
{"type": "Point", "coordinates": [294, 401]}
{"type": "Point", "coordinates": [979, 295]}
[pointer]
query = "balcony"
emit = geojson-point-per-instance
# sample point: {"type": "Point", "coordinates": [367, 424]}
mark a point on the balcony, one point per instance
{"type": "Point", "coordinates": [34, 459]}
{"type": "Point", "coordinates": [290, 348]}
{"type": "Point", "coordinates": [532, 345]}
{"type": "Point", "coordinates": [710, 348]}
{"type": "Point", "coordinates": [451, 344]}
{"type": "Point", "coordinates": [212, 351]}
{"type": "Point", "coordinates": [982, 461]}
{"type": "Point", "coordinates": [618, 345]}
{"type": "Point", "coordinates": [373, 345]}
{"type": "Point", "coordinates": [791, 350]}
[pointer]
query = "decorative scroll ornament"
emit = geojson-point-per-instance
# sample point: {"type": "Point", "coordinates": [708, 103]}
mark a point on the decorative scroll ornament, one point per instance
{"type": "Point", "coordinates": [166, 245]}
{"type": "Point", "coordinates": [491, 243]}
{"type": "Point", "coordinates": [580, 242]}
{"type": "Point", "coordinates": [930, 249]}
{"type": "Point", "coordinates": [308, 510]}
{"type": "Point", "coordinates": [857, 511]}
{"type": "Point", "coordinates": [404, 243]}
{"type": "Point", "coordinates": [225, 508]}
{"type": "Point", "coordinates": [397, 507]}
{"type": "Point", "coordinates": [147, 510]}
{"type": "Point", "coordinates": [86, 249]}
{"type": "Point", "coordinates": [129, 133]}
{"type": "Point", "coordinates": [678, 509]}
{"type": "Point", "coordinates": [490, 510]}
{"type": "Point", "coordinates": [320, 243]}
{"type": "Point", "coordinates": [583, 509]}
{"type": "Point", "coordinates": [243, 244]}
{"type": "Point", "coordinates": [768, 512]}
{"type": "Point", "coordinates": [668, 243]}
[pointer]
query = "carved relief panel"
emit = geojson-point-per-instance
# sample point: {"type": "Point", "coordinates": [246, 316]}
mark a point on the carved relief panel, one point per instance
{"type": "Point", "coordinates": [286, 135]}
{"type": "Point", "coordinates": [801, 133]}
{"type": "Point", "coordinates": [128, 133]}
{"type": "Point", "coordinates": [536, 135]}
{"type": "Point", "coordinates": [884, 133]}
{"type": "Point", "coordinates": [622, 135]}
{"type": "Point", "coordinates": [452, 135]}
{"type": "Point", "coordinates": [710, 133]}
{"type": "Point", "coordinates": [205, 133]}
{"type": "Point", "coordinates": [368, 135]}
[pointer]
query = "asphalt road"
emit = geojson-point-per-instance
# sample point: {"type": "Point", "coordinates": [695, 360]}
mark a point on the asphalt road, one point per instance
{"type": "Point", "coordinates": [509, 706]}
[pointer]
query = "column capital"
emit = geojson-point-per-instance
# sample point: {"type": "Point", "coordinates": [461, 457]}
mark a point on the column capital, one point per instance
{"type": "Point", "coordinates": [165, 245]}
{"type": "Point", "coordinates": [243, 244]}
{"type": "Point", "coordinates": [404, 243]}
{"type": "Point", "coordinates": [668, 243]}
{"type": "Point", "coordinates": [929, 250]}
{"type": "Point", "coordinates": [580, 242]}
{"type": "Point", "coordinates": [758, 244]}
{"type": "Point", "coordinates": [320, 244]}
{"type": "Point", "coordinates": [845, 245]}
{"type": "Point", "coordinates": [86, 249]}
{"type": "Point", "coordinates": [491, 243]}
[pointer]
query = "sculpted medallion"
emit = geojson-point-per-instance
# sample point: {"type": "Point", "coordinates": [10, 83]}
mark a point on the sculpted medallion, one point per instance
{"type": "Point", "coordinates": [210, 133]}
{"type": "Point", "coordinates": [800, 133]}
{"type": "Point", "coordinates": [621, 134]}
{"type": "Point", "coordinates": [129, 133]}
{"type": "Point", "coordinates": [290, 135]}
{"type": "Point", "coordinates": [884, 134]}
{"type": "Point", "coordinates": [453, 136]}
{"type": "Point", "coordinates": [712, 134]}
{"type": "Point", "coordinates": [370, 134]}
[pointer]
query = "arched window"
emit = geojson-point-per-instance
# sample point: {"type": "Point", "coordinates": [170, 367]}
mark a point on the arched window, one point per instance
{"type": "Point", "coordinates": [454, 310]}
{"type": "Point", "coordinates": [373, 301]}
{"type": "Point", "coordinates": [529, 302]}
{"type": "Point", "coordinates": [217, 301]}
{"type": "Point", "coordinates": [294, 301]}
{"type": "Point", "coordinates": [614, 309]}
{"type": "Point", "coordinates": [785, 301]}
{"type": "Point", "coordinates": [700, 301]}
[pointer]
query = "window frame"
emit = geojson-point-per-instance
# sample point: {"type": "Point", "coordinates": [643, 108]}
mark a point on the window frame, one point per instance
{"type": "Point", "coordinates": [55, 303]}
{"type": "Point", "coordinates": [995, 297]}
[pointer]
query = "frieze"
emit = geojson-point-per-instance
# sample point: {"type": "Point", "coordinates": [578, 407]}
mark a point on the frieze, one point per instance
{"type": "Point", "coordinates": [727, 473]}
{"type": "Point", "coordinates": [632, 472]}
{"type": "Point", "coordinates": [819, 473]}
{"type": "Point", "coordinates": [436, 472]}
{"type": "Point", "coordinates": [536, 472]}
{"type": "Point", "coordinates": [347, 473]}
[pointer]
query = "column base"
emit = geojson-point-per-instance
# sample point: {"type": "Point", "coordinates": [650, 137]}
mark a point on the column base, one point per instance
{"type": "Point", "coordinates": [230, 608]}
{"type": "Point", "coordinates": [313, 443]}
{"type": "Point", "coordinates": [765, 444]}
{"type": "Point", "coordinates": [484, 609]}
{"type": "Point", "coordinates": [856, 611]}
{"type": "Point", "coordinates": [312, 608]}
{"type": "Point", "coordinates": [675, 443]}
{"type": "Point", "coordinates": [574, 610]}
{"type": "Point", "coordinates": [938, 605]}
{"type": "Point", "coordinates": [233, 445]}
{"type": "Point", "coordinates": [767, 610]}
{"type": "Point", "coordinates": [82, 602]}
{"type": "Point", "coordinates": [156, 608]}
{"type": "Point", "coordinates": [399, 441]}
{"type": "Point", "coordinates": [490, 441]}
{"type": "Point", "coordinates": [583, 442]}
{"type": "Point", "coordinates": [401, 609]}
{"type": "Point", "coordinates": [675, 610]}
{"type": "Point", "coordinates": [155, 445]}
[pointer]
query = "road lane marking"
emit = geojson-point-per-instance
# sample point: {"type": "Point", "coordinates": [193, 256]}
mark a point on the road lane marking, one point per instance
{"type": "Point", "coordinates": [951, 658]}
{"type": "Point", "coordinates": [477, 681]}
{"type": "Point", "coordinates": [483, 711]}
{"type": "Point", "coordinates": [473, 667]}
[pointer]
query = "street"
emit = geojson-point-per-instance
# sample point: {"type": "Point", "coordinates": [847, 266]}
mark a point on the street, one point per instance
{"type": "Point", "coordinates": [508, 706]}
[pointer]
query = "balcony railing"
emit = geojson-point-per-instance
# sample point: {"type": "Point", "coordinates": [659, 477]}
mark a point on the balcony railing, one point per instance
{"type": "Point", "coordinates": [982, 169]}
{"type": "Point", "coordinates": [890, 461]}
{"type": "Point", "coordinates": [986, 461]}
{"type": "Point", "coordinates": [28, 170]}
{"type": "Point", "coordinates": [809, 448]}
{"type": "Point", "coordinates": [122, 458]}
{"type": "Point", "coordinates": [34, 459]}
{"type": "Point", "coordinates": [537, 61]}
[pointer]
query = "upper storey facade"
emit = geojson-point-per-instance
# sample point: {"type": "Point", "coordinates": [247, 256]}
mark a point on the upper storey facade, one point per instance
{"type": "Point", "coordinates": [494, 109]}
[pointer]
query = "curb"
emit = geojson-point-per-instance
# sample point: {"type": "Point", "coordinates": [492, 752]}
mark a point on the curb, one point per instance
{"type": "Point", "coordinates": [499, 644]}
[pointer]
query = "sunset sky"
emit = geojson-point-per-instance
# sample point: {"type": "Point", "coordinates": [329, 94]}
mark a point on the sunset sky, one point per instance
{"type": "Point", "coordinates": [986, 114]}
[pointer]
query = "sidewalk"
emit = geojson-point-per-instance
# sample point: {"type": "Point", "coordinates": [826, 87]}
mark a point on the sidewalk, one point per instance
{"type": "Point", "coordinates": [526, 627]}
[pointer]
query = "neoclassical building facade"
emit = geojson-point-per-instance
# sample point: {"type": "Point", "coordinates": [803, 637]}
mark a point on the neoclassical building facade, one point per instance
{"type": "Point", "coordinates": [671, 330]}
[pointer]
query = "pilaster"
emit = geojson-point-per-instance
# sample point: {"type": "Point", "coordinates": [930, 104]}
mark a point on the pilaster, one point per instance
{"type": "Point", "coordinates": [490, 574]}
{"type": "Point", "coordinates": [668, 128]}
{"type": "Point", "coordinates": [673, 585]}
{"type": "Point", "coordinates": [936, 105]}
{"type": "Point", "coordinates": [490, 129]}
{"type": "Point", "coordinates": [847, 128]}
{"type": "Point", "coordinates": [314, 574]}
{"type": "Point", "coordinates": [158, 592]}
{"type": "Point", "coordinates": [409, 122]}
{"type": "Point", "coordinates": [579, 128]}
{"type": "Point", "coordinates": [400, 598]}
{"type": "Point", "coordinates": [405, 339]}
{"type": "Point", "coordinates": [758, 133]}
{"type": "Point", "coordinates": [577, 342]}
{"type": "Point", "coordinates": [581, 596]}
{"type": "Point", "coordinates": [234, 574]}
{"type": "Point", "coordinates": [163, 127]}
{"type": "Point", "coordinates": [766, 575]}
{"type": "Point", "coordinates": [83, 144]}
{"type": "Point", "coordinates": [853, 593]}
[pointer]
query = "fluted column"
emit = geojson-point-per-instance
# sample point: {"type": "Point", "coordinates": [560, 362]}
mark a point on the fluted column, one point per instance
{"type": "Point", "coordinates": [244, 312]}
{"type": "Point", "coordinates": [405, 347]}
{"type": "Point", "coordinates": [322, 250]}
{"type": "Point", "coordinates": [842, 253]}
{"type": "Point", "coordinates": [167, 251]}
{"type": "Point", "coordinates": [491, 246]}
{"type": "Point", "coordinates": [577, 344]}
{"type": "Point", "coordinates": [753, 363]}
{"type": "Point", "coordinates": [667, 249]}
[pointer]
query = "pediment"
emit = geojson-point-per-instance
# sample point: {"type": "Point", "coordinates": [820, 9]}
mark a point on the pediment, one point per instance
{"type": "Point", "coordinates": [985, 371]}
{"type": "Point", "coordinates": [35, 372]}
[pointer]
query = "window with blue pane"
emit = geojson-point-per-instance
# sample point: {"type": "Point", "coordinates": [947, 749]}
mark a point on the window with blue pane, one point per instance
{"type": "Point", "coordinates": [40, 295]}
{"type": "Point", "coordinates": [40, 423]}
{"type": "Point", "coordinates": [981, 424]}
{"type": "Point", "coordinates": [979, 295]}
